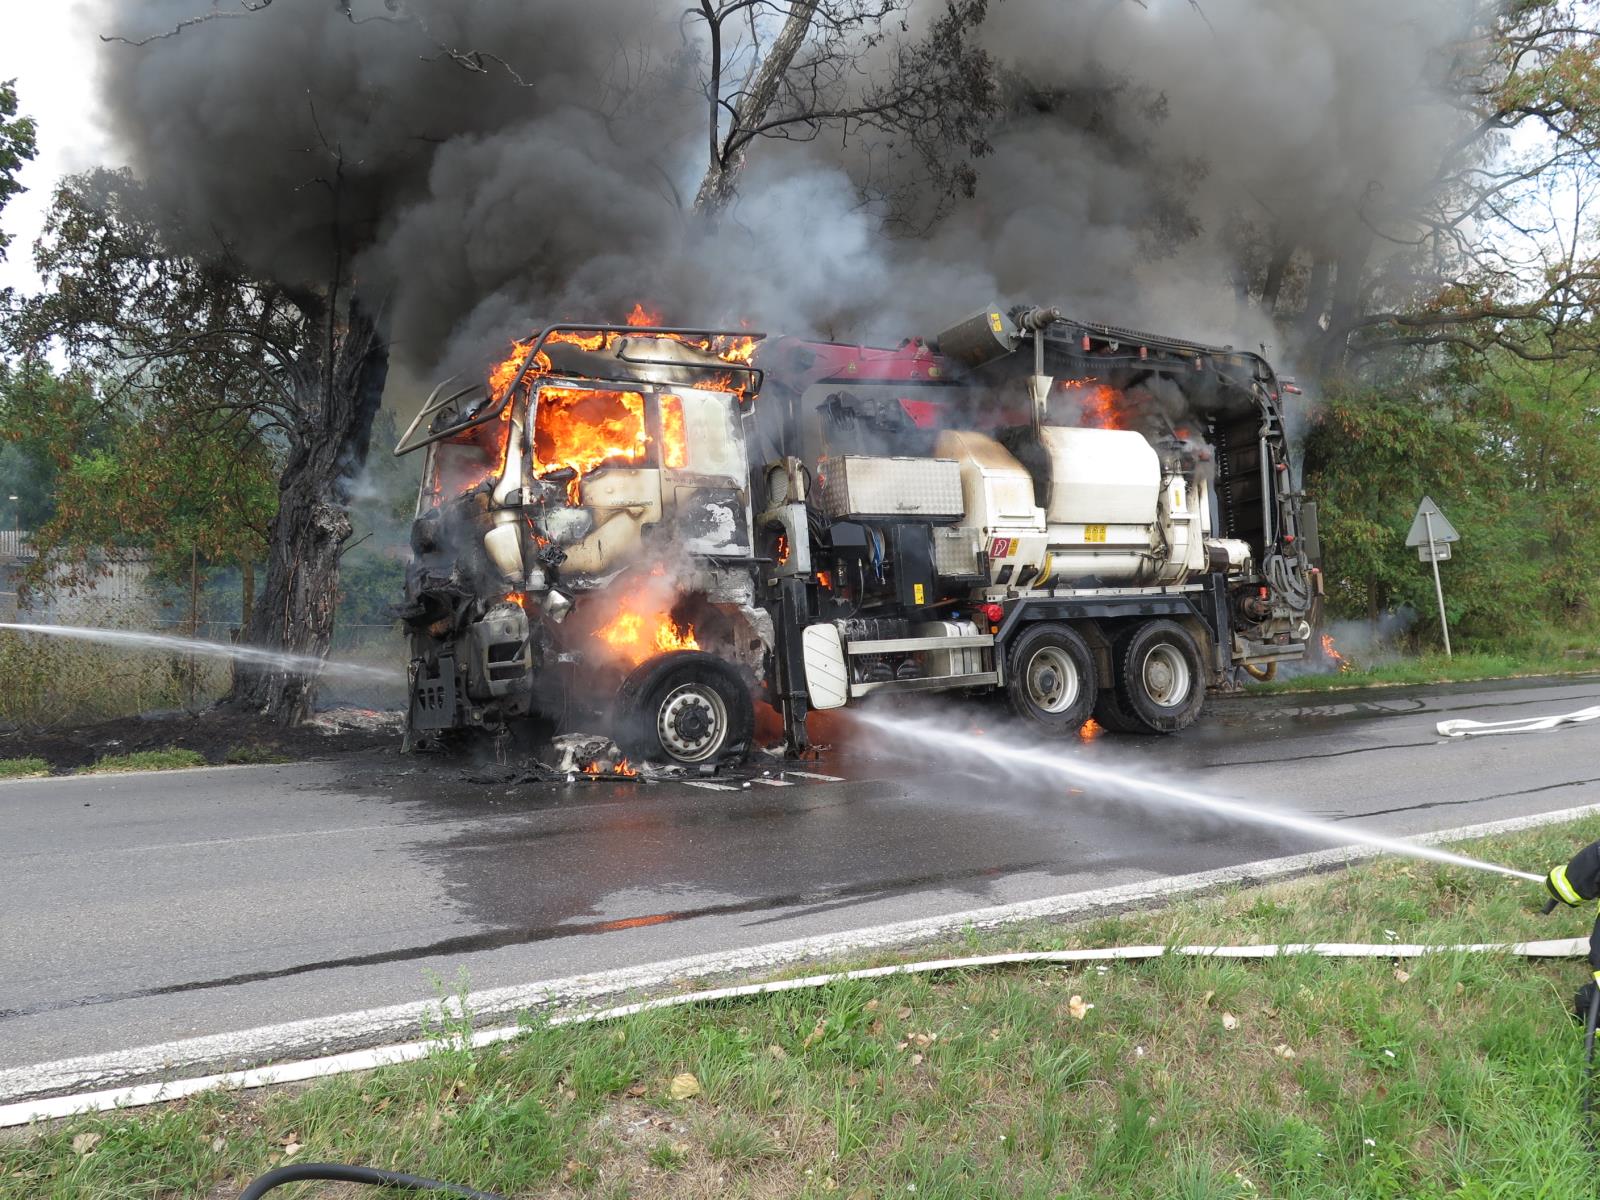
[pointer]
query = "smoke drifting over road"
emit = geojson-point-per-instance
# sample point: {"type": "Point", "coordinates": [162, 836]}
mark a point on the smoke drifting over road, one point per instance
{"type": "Point", "coordinates": [1141, 148]}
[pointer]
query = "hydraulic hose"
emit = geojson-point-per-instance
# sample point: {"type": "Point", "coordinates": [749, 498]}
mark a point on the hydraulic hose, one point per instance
{"type": "Point", "coordinates": [370, 1176]}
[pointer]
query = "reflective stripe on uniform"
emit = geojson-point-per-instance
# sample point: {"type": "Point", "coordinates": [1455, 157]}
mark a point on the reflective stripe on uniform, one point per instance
{"type": "Point", "coordinates": [1558, 880]}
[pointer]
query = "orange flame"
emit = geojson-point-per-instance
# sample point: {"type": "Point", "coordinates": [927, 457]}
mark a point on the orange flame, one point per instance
{"type": "Point", "coordinates": [500, 378]}
{"type": "Point", "coordinates": [636, 636]}
{"type": "Point", "coordinates": [1331, 653]}
{"type": "Point", "coordinates": [1090, 730]}
{"type": "Point", "coordinates": [783, 548]}
{"type": "Point", "coordinates": [581, 428]}
{"type": "Point", "coordinates": [622, 768]}
{"type": "Point", "coordinates": [1100, 405]}
{"type": "Point", "coordinates": [674, 438]}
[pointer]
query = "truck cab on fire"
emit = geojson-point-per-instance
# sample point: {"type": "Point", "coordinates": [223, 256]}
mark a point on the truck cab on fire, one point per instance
{"type": "Point", "coordinates": [648, 527]}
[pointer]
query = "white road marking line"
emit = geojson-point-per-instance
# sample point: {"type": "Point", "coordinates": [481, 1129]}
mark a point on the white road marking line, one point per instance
{"type": "Point", "coordinates": [308, 1037]}
{"type": "Point", "coordinates": [710, 787]}
{"type": "Point", "coordinates": [814, 775]}
{"type": "Point", "coordinates": [773, 782]}
{"type": "Point", "coordinates": [361, 1060]}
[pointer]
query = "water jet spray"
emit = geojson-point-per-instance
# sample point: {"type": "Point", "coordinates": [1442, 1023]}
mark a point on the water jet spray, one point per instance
{"type": "Point", "coordinates": [1051, 761]}
{"type": "Point", "coordinates": [300, 663]}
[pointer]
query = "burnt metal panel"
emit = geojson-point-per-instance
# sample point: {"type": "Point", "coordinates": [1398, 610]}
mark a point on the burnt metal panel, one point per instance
{"type": "Point", "coordinates": [714, 521]}
{"type": "Point", "coordinates": [433, 694]}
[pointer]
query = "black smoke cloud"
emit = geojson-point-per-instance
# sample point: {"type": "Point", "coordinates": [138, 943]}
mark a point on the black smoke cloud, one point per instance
{"type": "Point", "coordinates": [1140, 145]}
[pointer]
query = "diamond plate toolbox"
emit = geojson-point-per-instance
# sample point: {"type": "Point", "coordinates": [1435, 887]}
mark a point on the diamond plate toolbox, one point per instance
{"type": "Point", "coordinates": [861, 487]}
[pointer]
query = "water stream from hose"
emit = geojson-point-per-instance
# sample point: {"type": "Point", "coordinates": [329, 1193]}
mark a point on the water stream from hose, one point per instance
{"type": "Point", "coordinates": [936, 738]}
{"type": "Point", "coordinates": [299, 663]}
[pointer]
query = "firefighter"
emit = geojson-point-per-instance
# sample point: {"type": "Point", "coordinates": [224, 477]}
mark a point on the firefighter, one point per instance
{"type": "Point", "coordinates": [1572, 884]}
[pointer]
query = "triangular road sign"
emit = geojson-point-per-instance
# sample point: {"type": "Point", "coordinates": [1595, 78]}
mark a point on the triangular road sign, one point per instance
{"type": "Point", "coordinates": [1428, 514]}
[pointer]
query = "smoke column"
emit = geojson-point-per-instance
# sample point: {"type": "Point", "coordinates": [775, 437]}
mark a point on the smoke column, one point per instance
{"type": "Point", "coordinates": [1146, 152]}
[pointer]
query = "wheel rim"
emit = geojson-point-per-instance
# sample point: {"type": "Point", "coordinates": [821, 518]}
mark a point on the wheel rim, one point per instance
{"type": "Point", "coordinates": [1167, 678]}
{"type": "Point", "coordinates": [692, 722]}
{"type": "Point", "coordinates": [1052, 680]}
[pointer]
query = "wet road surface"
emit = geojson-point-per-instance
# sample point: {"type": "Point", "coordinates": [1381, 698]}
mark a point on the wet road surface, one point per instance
{"type": "Point", "coordinates": [146, 908]}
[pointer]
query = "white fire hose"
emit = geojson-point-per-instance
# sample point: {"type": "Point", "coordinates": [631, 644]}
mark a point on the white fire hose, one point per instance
{"type": "Point", "coordinates": [54, 1108]}
{"type": "Point", "coordinates": [1458, 729]}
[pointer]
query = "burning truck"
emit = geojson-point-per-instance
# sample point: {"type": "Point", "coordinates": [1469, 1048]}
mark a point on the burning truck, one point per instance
{"type": "Point", "coordinates": [649, 529]}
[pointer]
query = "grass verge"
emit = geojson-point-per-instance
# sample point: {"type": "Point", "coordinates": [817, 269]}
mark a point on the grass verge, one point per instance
{"type": "Point", "coordinates": [23, 768]}
{"type": "Point", "coordinates": [1433, 668]}
{"type": "Point", "coordinates": [251, 754]}
{"type": "Point", "coordinates": [1306, 1079]}
{"type": "Point", "coordinates": [146, 760]}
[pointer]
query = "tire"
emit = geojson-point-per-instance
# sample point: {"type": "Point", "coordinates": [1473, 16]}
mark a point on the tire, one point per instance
{"type": "Point", "coordinates": [686, 708]}
{"type": "Point", "coordinates": [1112, 717]}
{"type": "Point", "coordinates": [1051, 682]}
{"type": "Point", "coordinates": [1159, 678]}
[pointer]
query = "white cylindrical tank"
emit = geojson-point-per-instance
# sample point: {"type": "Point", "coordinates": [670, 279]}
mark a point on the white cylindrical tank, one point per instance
{"type": "Point", "coordinates": [1100, 476]}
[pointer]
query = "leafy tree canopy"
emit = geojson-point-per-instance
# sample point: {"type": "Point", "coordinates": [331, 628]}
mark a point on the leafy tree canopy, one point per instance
{"type": "Point", "coordinates": [18, 144]}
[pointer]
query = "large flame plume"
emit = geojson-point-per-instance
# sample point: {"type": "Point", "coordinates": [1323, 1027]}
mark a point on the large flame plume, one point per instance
{"type": "Point", "coordinates": [579, 428]}
{"type": "Point", "coordinates": [635, 635]}
{"type": "Point", "coordinates": [1099, 406]}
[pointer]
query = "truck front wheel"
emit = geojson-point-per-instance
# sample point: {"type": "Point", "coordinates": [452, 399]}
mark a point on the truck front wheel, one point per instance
{"type": "Point", "coordinates": [1160, 684]}
{"type": "Point", "coordinates": [687, 708]}
{"type": "Point", "coordinates": [1051, 683]}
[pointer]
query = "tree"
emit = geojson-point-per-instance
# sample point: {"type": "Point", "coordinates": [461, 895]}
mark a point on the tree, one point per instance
{"type": "Point", "coordinates": [1509, 448]}
{"type": "Point", "coordinates": [18, 144]}
{"type": "Point", "coordinates": [840, 65]}
{"type": "Point", "coordinates": [1488, 254]}
{"type": "Point", "coordinates": [233, 356]}
{"type": "Point", "coordinates": [157, 472]}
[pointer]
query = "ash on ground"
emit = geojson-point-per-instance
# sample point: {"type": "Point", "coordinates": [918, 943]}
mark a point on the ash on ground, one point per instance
{"type": "Point", "coordinates": [217, 736]}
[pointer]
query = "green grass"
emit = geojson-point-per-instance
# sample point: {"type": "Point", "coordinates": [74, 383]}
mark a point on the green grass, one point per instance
{"type": "Point", "coordinates": [23, 768]}
{"type": "Point", "coordinates": [170, 759]}
{"type": "Point", "coordinates": [1338, 1080]}
{"type": "Point", "coordinates": [250, 755]}
{"type": "Point", "coordinates": [52, 682]}
{"type": "Point", "coordinates": [1433, 668]}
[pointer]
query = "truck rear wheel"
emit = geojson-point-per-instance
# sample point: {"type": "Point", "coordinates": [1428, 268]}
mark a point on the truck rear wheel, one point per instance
{"type": "Point", "coordinates": [687, 708]}
{"type": "Point", "coordinates": [1160, 682]}
{"type": "Point", "coordinates": [1051, 682]}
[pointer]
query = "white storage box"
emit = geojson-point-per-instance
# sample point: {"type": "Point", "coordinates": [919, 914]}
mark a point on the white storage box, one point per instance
{"type": "Point", "coordinates": [862, 487]}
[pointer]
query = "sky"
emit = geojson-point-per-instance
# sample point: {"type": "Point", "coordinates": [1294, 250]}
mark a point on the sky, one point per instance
{"type": "Point", "coordinates": [50, 51]}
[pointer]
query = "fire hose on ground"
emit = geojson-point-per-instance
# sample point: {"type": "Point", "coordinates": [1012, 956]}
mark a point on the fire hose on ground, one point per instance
{"type": "Point", "coordinates": [1557, 948]}
{"type": "Point", "coordinates": [1572, 884]}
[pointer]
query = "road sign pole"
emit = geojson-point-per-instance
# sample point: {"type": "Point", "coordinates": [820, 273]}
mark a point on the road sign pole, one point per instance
{"type": "Point", "coordinates": [1438, 588]}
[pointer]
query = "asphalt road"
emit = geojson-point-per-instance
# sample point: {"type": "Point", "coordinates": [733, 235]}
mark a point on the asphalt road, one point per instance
{"type": "Point", "coordinates": [140, 909]}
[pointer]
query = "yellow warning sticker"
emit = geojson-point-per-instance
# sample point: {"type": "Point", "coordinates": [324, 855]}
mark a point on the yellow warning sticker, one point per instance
{"type": "Point", "coordinates": [994, 322]}
{"type": "Point", "coordinates": [1094, 533]}
{"type": "Point", "coordinates": [916, 593]}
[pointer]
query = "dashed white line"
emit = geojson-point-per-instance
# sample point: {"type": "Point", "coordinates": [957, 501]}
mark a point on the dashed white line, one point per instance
{"type": "Point", "coordinates": [709, 786]}
{"type": "Point", "coordinates": [814, 775]}
{"type": "Point", "coordinates": [773, 782]}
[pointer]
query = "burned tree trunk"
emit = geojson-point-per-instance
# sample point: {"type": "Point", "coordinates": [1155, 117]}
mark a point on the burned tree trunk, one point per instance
{"type": "Point", "coordinates": [720, 183]}
{"type": "Point", "coordinates": [342, 389]}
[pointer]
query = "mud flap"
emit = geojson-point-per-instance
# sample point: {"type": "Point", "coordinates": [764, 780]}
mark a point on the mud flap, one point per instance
{"type": "Point", "coordinates": [433, 694]}
{"type": "Point", "coordinates": [827, 676]}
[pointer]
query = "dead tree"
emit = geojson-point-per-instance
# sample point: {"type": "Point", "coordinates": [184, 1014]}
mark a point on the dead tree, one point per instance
{"type": "Point", "coordinates": [791, 70]}
{"type": "Point", "coordinates": [302, 367]}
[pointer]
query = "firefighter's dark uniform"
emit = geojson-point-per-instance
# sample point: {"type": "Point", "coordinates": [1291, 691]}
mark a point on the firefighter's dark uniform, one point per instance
{"type": "Point", "coordinates": [1579, 880]}
{"type": "Point", "coordinates": [1573, 884]}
